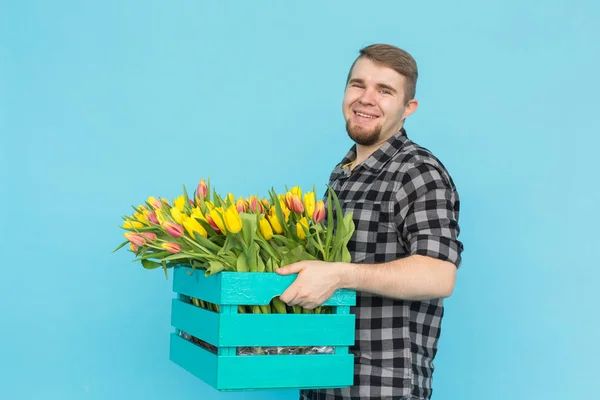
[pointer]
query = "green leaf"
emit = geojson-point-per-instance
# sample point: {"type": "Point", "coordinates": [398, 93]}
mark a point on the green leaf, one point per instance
{"type": "Point", "coordinates": [150, 264]}
{"type": "Point", "coordinates": [329, 234]}
{"type": "Point", "coordinates": [214, 267]}
{"type": "Point", "coordinates": [242, 263]}
{"type": "Point", "coordinates": [121, 245]}
{"type": "Point", "coordinates": [249, 227]}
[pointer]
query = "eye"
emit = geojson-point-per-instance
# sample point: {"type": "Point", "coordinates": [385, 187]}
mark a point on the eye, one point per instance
{"type": "Point", "coordinates": [357, 85]}
{"type": "Point", "coordinates": [385, 91]}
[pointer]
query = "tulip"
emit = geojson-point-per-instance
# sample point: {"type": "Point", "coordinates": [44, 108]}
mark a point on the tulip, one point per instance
{"type": "Point", "coordinates": [165, 201]}
{"type": "Point", "coordinates": [212, 223]}
{"type": "Point", "coordinates": [197, 213]}
{"type": "Point", "coordinates": [173, 229]}
{"type": "Point", "coordinates": [133, 225]}
{"type": "Point", "coordinates": [231, 198]}
{"type": "Point", "coordinates": [233, 220]}
{"type": "Point", "coordinates": [160, 217]}
{"type": "Point", "coordinates": [299, 228]}
{"type": "Point", "coordinates": [180, 203]}
{"type": "Point", "coordinates": [151, 216]}
{"type": "Point", "coordinates": [192, 225]}
{"type": "Point", "coordinates": [141, 217]}
{"type": "Point", "coordinates": [319, 214]}
{"type": "Point", "coordinates": [202, 189]}
{"type": "Point", "coordinates": [149, 235]}
{"type": "Point", "coordinates": [274, 221]}
{"type": "Point", "coordinates": [217, 218]}
{"type": "Point", "coordinates": [265, 229]}
{"type": "Point", "coordinates": [266, 203]}
{"type": "Point", "coordinates": [141, 208]}
{"type": "Point", "coordinates": [294, 202]}
{"type": "Point", "coordinates": [177, 215]}
{"type": "Point", "coordinates": [241, 205]}
{"type": "Point", "coordinates": [154, 203]}
{"type": "Point", "coordinates": [255, 205]}
{"type": "Point", "coordinates": [133, 247]}
{"type": "Point", "coordinates": [135, 238]}
{"type": "Point", "coordinates": [285, 209]}
{"type": "Point", "coordinates": [171, 247]}
{"type": "Point", "coordinates": [297, 191]}
{"type": "Point", "coordinates": [309, 203]}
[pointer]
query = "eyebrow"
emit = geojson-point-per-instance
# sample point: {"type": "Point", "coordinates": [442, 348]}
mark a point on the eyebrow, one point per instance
{"type": "Point", "coordinates": [379, 85]}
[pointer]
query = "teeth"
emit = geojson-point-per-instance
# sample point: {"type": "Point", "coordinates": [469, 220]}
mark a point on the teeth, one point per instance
{"type": "Point", "coordinates": [365, 115]}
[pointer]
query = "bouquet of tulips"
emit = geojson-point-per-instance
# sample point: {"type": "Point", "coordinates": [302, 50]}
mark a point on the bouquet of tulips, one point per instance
{"type": "Point", "coordinates": [224, 233]}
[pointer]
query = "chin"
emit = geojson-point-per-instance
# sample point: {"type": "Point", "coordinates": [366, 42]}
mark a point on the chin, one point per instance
{"type": "Point", "coordinates": [363, 137]}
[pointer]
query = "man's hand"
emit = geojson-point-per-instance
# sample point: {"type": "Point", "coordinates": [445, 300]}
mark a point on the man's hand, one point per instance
{"type": "Point", "coordinates": [316, 282]}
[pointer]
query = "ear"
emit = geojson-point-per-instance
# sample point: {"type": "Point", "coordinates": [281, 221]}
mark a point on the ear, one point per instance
{"type": "Point", "coordinates": [410, 108]}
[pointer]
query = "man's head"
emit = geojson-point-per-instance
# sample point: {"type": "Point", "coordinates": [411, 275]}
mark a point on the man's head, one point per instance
{"type": "Point", "coordinates": [379, 95]}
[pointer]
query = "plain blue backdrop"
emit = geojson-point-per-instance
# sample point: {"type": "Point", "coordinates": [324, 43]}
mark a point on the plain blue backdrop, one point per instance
{"type": "Point", "coordinates": [104, 104]}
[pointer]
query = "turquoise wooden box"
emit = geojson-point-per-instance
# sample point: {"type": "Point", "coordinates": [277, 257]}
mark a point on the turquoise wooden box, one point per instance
{"type": "Point", "coordinates": [228, 329]}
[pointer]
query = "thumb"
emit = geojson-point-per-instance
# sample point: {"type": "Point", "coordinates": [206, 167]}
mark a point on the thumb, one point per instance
{"type": "Point", "coordinates": [290, 269]}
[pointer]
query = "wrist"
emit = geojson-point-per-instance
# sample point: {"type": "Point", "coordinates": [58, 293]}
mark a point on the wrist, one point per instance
{"type": "Point", "coordinates": [348, 275]}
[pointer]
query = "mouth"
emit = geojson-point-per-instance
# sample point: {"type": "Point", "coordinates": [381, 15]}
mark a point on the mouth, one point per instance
{"type": "Point", "coordinates": [365, 116]}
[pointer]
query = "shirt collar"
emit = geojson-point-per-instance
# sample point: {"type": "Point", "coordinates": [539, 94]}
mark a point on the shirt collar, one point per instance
{"type": "Point", "coordinates": [376, 160]}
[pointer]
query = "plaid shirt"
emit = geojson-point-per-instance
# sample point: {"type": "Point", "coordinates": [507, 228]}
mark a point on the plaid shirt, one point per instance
{"type": "Point", "coordinates": [404, 203]}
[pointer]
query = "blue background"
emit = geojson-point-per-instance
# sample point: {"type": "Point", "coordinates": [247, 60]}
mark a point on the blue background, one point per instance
{"type": "Point", "coordinates": [102, 105]}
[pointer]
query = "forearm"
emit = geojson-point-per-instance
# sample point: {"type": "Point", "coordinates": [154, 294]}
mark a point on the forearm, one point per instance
{"type": "Point", "coordinates": [412, 278]}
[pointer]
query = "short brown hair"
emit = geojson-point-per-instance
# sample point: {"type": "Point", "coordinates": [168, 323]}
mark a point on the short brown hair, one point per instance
{"type": "Point", "coordinates": [395, 58]}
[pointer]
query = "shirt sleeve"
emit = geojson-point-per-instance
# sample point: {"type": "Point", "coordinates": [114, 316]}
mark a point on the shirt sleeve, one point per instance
{"type": "Point", "coordinates": [426, 213]}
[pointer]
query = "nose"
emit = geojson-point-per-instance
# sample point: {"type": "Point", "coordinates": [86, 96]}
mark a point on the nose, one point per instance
{"type": "Point", "coordinates": [368, 97]}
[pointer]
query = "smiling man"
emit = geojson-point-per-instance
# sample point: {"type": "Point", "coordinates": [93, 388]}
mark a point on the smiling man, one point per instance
{"type": "Point", "coordinates": [405, 249]}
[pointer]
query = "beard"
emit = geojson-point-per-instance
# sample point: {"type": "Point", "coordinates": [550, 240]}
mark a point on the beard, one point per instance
{"type": "Point", "coordinates": [363, 136]}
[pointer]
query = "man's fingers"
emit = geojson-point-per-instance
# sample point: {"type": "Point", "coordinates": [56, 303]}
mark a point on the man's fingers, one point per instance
{"type": "Point", "coordinates": [290, 269]}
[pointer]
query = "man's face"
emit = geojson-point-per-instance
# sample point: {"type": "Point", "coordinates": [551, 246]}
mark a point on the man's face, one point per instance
{"type": "Point", "coordinates": [374, 105]}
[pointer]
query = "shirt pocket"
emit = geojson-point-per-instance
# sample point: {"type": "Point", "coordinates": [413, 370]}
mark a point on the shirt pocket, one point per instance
{"type": "Point", "coordinates": [367, 217]}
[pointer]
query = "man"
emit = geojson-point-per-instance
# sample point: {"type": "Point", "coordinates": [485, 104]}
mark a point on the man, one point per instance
{"type": "Point", "coordinates": [405, 251]}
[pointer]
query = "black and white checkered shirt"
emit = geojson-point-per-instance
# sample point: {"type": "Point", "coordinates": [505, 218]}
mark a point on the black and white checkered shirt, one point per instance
{"type": "Point", "coordinates": [404, 203]}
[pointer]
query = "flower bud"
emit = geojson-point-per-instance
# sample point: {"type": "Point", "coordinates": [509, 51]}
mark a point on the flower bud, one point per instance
{"type": "Point", "coordinates": [154, 202]}
{"type": "Point", "coordinates": [319, 214]}
{"type": "Point", "coordinates": [265, 229]}
{"type": "Point", "coordinates": [202, 189]}
{"type": "Point", "coordinates": [135, 238]}
{"type": "Point", "coordinates": [173, 229]}
{"type": "Point", "coordinates": [241, 205]}
{"type": "Point", "coordinates": [192, 225]}
{"type": "Point", "coordinates": [233, 220]}
{"type": "Point", "coordinates": [171, 247]}
{"type": "Point", "coordinates": [177, 215]}
{"type": "Point", "coordinates": [299, 228]}
{"type": "Point", "coordinates": [149, 235]}
{"type": "Point", "coordinates": [309, 203]}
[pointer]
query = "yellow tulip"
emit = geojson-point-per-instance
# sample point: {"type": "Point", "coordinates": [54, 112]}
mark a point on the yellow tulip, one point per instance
{"type": "Point", "coordinates": [300, 230]}
{"type": "Point", "coordinates": [141, 217]}
{"type": "Point", "coordinates": [133, 225]}
{"type": "Point", "coordinates": [297, 191]}
{"type": "Point", "coordinates": [265, 229]}
{"type": "Point", "coordinates": [231, 198]}
{"type": "Point", "coordinates": [233, 220]}
{"type": "Point", "coordinates": [286, 211]}
{"type": "Point", "coordinates": [197, 213]}
{"type": "Point", "coordinates": [177, 215]}
{"type": "Point", "coordinates": [191, 225]}
{"type": "Point", "coordinates": [160, 216]}
{"type": "Point", "coordinates": [180, 203]}
{"type": "Point", "coordinates": [310, 203]}
{"type": "Point", "coordinates": [217, 217]}
{"type": "Point", "coordinates": [274, 221]}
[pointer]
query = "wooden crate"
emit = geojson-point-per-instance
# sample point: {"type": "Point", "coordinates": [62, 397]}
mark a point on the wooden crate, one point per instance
{"type": "Point", "coordinates": [227, 330]}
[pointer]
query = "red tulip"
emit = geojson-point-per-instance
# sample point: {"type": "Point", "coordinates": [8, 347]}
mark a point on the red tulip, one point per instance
{"type": "Point", "coordinates": [171, 247]}
{"type": "Point", "coordinates": [173, 229]}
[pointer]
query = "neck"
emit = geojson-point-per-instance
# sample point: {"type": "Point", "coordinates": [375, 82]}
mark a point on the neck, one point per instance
{"type": "Point", "coordinates": [364, 152]}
